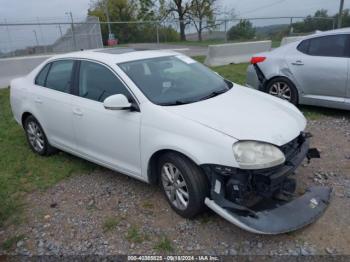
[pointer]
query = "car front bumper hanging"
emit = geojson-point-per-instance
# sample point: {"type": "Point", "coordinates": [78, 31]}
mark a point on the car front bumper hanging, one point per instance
{"type": "Point", "coordinates": [286, 218]}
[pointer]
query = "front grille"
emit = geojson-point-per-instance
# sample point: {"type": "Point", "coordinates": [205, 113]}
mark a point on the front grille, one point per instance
{"type": "Point", "coordinates": [292, 148]}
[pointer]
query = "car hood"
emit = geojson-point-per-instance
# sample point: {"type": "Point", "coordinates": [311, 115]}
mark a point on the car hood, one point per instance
{"type": "Point", "coordinates": [246, 114]}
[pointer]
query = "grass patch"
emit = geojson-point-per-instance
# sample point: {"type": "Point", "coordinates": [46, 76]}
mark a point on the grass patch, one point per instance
{"type": "Point", "coordinates": [315, 113]}
{"type": "Point", "coordinates": [234, 72]}
{"type": "Point", "coordinates": [110, 223]}
{"type": "Point", "coordinates": [205, 218]}
{"type": "Point", "coordinates": [133, 235]}
{"type": "Point", "coordinates": [22, 171]}
{"type": "Point", "coordinates": [10, 242]}
{"type": "Point", "coordinates": [164, 245]}
{"type": "Point", "coordinates": [276, 43]}
{"type": "Point", "coordinates": [148, 205]}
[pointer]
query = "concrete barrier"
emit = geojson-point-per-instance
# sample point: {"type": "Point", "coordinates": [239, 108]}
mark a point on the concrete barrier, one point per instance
{"type": "Point", "coordinates": [11, 68]}
{"type": "Point", "coordinates": [235, 53]}
{"type": "Point", "coordinates": [291, 39]}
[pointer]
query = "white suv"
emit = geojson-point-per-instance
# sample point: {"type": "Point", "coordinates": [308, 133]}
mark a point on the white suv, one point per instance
{"type": "Point", "coordinates": [161, 117]}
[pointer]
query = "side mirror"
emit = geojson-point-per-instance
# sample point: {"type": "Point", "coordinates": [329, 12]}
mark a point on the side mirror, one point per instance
{"type": "Point", "coordinates": [117, 102]}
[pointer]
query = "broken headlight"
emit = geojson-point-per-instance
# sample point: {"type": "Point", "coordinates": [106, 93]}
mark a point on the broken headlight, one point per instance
{"type": "Point", "coordinates": [257, 155]}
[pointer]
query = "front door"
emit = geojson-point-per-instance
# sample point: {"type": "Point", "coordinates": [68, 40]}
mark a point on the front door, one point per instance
{"type": "Point", "coordinates": [111, 137]}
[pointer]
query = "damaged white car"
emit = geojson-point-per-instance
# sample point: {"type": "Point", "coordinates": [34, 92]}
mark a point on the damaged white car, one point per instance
{"type": "Point", "coordinates": [165, 119]}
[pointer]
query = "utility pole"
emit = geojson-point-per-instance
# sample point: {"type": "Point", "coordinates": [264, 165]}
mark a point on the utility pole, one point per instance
{"type": "Point", "coordinates": [340, 15]}
{"type": "Point", "coordinates": [108, 21]}
{"type": "Point", "coordinates": [36, 38]}
{"type": "Point", "coordinates": [59, 27]}
{"type": "Point", "coordinates": [72, 27]}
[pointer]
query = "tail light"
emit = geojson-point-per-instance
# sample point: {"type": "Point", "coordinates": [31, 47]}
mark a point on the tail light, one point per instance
{"type": "Point", "coordinates": [257, 59]}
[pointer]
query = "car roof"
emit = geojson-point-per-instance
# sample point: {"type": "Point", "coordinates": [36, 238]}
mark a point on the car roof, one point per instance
{"type": "Point", "coordinates": [329, 32]}
{"type": "Point", "coordinates": [116, 55]}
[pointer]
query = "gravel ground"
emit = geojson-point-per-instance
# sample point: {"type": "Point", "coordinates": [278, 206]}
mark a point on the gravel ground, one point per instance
{"type": "Point", "coordinates": [106, 213]}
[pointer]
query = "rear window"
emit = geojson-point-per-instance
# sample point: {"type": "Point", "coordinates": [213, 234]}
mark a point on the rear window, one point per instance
{"type": "Point", "coordinates": [331, 46]}
{"type": "Point", "coordinates": [59, 77]}
{"type": "Point", "coordinates": [41, 78]}
{"type": "Point", "coordinates": [304, 46]}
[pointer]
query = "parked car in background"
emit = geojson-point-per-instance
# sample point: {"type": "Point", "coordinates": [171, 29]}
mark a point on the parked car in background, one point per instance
{"type": "Point", "coordinates": [311, 71]}
{"type": "Point", "coordinates": [166, 119]}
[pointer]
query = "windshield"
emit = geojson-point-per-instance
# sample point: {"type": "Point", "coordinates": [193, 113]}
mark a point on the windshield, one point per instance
{"type": "Point", "coordinates": [175, 80]}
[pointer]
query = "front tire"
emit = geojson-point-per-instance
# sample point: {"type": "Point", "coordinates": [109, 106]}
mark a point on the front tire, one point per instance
{"type": "Point", "coordinates": [283, 88]}
{"type": "Point", "coordinates": [36, 137]}
{"type": "Point", "coordinates": [183, 183]}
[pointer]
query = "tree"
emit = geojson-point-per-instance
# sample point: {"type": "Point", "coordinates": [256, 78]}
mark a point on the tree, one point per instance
{"type": "Point", "coordinates": [119, 10]}
{"type": "Point", "coordinates": [181, 8]}
{"type": "Point", "coordinates": [243, 30]}
{"type": "Point", "coordinates": [146, 10]}
{"type": "Point", "coordinates": [130, 11]}
{"type": "Point", "coordinates": [319, 21]}
{"type": "Point", "coordinates": [202, 11]}
{"type": "Point", "coordinates": [346, 18]}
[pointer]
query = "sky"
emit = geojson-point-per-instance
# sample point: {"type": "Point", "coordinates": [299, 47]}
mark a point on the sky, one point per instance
{"type": "Point", "coordinates": [30, 10]}
{"type": "Point", "coordinates": [33, 11]}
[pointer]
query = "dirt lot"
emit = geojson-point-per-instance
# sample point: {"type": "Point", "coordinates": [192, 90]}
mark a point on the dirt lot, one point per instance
{"type": "Point", "coordinates": [108, 213]}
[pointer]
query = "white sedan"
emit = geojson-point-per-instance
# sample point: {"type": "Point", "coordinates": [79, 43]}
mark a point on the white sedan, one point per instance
{"type": "Point", "coordinates": [162, 117]}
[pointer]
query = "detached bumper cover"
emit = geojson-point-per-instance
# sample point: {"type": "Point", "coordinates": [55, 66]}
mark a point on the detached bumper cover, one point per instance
{"type": "Point", "coordinates": [286, 218]}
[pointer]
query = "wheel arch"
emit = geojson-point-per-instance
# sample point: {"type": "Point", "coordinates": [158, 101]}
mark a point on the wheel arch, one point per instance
{"type": "Point", "coordinates": [268, 81]}
{"type": "Point", "coordinates": [24, 116]}
{"type": "Point", "coordinates": [153, 161]}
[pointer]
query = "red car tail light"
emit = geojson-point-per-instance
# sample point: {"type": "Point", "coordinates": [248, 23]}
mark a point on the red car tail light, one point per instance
{"type": "Point", "coordinates": [257, 59]}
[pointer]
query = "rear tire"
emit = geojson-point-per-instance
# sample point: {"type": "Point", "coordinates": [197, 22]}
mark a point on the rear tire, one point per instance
{"type": "Point", "coordinates": [283, 88]}
{"type": "Point", "coordinates": [36, 137]}
{"type": "Point", "coordinates": [183, 184]}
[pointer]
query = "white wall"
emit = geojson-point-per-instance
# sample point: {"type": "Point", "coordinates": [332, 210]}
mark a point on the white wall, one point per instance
{"type": "Point", "coordinates": [235, 53]}
{"type": "Point", "coordinates": [288, 40]}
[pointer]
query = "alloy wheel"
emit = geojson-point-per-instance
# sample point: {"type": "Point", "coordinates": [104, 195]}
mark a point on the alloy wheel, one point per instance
{"type": "Point", "coordinates": [35, 136]}
{"type": "Point", "coordinates": [281, 90]}
{"type": "Point", "coordinates": [175, 186]}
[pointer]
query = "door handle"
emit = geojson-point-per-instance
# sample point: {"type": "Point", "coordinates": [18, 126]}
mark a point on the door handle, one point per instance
{"type": "Point", "coordinates": [77, 112]}
{"type": "Point", "coordinates": [298, 63]}
{"type": "Point", "coordinates": [38, 100]}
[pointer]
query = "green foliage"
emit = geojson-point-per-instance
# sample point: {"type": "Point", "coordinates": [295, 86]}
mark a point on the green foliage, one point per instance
{"type": "Point", "coordinates": [132, 10]}
{"type": "Point", "coordinates": [164, 245]}
{"type": "Point", "coordinates": [133, 235]}
{"type": "Point", "coordinates": [10, 242]}
{"type": "Point", "coordinates": [346, 18]}
{"type": "Point", "coordinates": [23, 171]}
{"type": "Point", "coordinates": [319, 21]}
{"type": "Point", "coordinates": [243, 30]}
{"type": "Point", "coordinates": [202, 11]}
{"type": "Point", "coordinates": [111, 223]}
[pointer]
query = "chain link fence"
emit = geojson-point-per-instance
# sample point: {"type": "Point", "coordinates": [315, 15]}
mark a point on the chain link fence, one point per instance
{"type": "Point", "coordinates": [20, 39]}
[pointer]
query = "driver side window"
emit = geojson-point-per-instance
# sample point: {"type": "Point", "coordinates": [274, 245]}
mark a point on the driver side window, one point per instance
{"type": "Point", "coordinates": [96, 82]}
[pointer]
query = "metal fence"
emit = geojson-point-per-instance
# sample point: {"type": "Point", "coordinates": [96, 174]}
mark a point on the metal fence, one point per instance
{"type": "Point", "coordinates": [18, 39]}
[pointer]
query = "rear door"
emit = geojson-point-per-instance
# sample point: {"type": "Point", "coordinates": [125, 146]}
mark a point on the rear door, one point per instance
{"type": "Point", "coordinates": [320, 66]}
{"type": "Point", "coordinates": [52, 99]}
